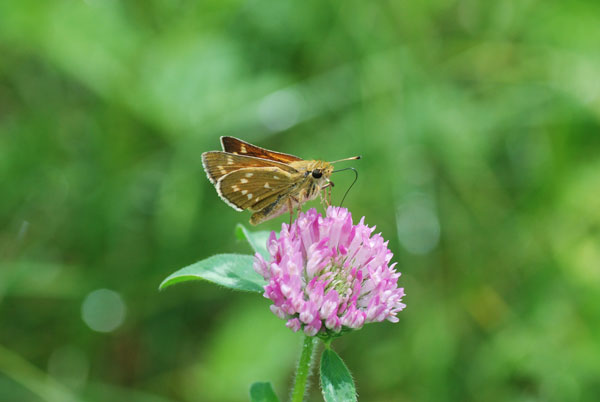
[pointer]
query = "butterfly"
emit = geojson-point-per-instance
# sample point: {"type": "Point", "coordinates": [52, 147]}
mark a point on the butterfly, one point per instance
{"type": "Point", "coordinates": [268, 183]}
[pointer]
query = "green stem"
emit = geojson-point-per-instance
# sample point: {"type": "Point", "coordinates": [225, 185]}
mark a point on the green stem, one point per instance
{"type": "Point", "coordinates": [303, 370]}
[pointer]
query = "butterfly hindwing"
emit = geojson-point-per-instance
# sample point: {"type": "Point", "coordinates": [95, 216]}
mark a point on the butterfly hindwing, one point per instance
{"type": "Point", "coordinates": [255, 188]}
{"type": "Point", "coordinates": [238, 147]}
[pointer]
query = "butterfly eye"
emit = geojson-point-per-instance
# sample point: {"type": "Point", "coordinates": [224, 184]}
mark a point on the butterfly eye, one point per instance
{"type": "Point", "coordinates": [317, 173]}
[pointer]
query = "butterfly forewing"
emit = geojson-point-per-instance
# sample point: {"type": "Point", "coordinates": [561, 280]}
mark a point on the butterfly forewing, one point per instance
{"type": "Point", "coordinates": [255, 188]}
{"type": "Point", "coordinates": [217, 164]}
{"type": "Point", "coordinates": [239, 147]}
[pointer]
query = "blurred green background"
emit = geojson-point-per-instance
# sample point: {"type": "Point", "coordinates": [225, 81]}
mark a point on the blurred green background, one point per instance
{"type": "Point", "coordinates": [478, 124]}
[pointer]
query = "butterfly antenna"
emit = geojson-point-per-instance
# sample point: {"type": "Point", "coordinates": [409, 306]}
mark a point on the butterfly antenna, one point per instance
{"type": "Point", "coordinates": [355, 179]}
{"type": "Point", "coordinates": [346, 159]}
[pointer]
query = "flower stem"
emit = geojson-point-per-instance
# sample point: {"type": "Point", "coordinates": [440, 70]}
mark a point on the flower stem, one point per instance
{"type": "Point", "coordinates": [303, 370]}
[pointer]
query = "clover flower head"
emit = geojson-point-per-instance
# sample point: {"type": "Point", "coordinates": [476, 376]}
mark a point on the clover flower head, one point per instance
{"type": "Point", "coordinates": [326, 274]}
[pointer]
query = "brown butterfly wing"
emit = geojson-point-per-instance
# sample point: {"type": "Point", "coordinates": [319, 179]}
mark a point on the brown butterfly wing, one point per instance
{"type": "Point", "coordinates": [255, 188]}
{"type": "Point", "coordinates": [239, 147]}
{"type": "Point", "coordinates": [217, 164]}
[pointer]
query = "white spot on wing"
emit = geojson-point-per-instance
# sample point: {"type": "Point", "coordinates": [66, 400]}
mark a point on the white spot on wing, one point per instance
{"type": "Point", "coordinates": [250, 196]}
{"type": "Point", "coordinates": [267, 185]}
{"type": "Point", "coordinates": [249, 174]}
{"type": "Point", "coordinates": [243, 149]}
{"type": "Point", "coordinates": [276, 177]}
{"type": "Point", "coordinates": [244, 192]}
{"type": "Point", "coordinates": [235, 188]}
{"type": "Point", "coordinates": [244, 181]}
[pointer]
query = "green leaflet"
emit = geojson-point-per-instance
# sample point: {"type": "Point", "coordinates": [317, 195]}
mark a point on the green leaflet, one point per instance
{"type": "Point", "coordinates": [336, 382]}
{"type": "Point", "coordinates": [233, 271]}
{"type": "Point", "coordinates": [257, 240]}
{"type": "Point", "coordinates": [262, 392]}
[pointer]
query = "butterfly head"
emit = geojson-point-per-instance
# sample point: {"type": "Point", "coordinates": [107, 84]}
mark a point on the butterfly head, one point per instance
{"type": "Point", "coordinates": [319, 172]}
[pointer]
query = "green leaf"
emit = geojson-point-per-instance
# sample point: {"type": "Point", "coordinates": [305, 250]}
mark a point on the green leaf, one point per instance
{"type": "Point", "coordinates": [257, 240]}
{"type": "Point", "coordinates": [233, 271]}
{"type": "Point", "coordinates": [262, 392]}
{"type": "Point", "coordinates": [336, 382]}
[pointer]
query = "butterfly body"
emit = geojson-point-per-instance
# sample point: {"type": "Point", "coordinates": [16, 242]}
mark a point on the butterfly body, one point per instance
{"type": "Point", "coordinates": [265, 182]}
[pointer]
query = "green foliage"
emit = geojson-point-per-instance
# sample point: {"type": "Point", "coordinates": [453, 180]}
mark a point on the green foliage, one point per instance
{"type": "Point", "coordinates": [478, 126]}
{"type": "Point", "coordinates": [336, 382]}
{"type": "Point", "coordinates": [262, 392]}
{"type": "Point", "coordinates": [230, 270]}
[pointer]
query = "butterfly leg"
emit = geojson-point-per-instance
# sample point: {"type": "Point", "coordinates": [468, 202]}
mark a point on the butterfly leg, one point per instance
{"type": "Point", "coordinates": [291, 209]}
{"type": "Point", "coordinates": [325, 197]}
{"type": "Point", "coordinates": [291, 201]}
